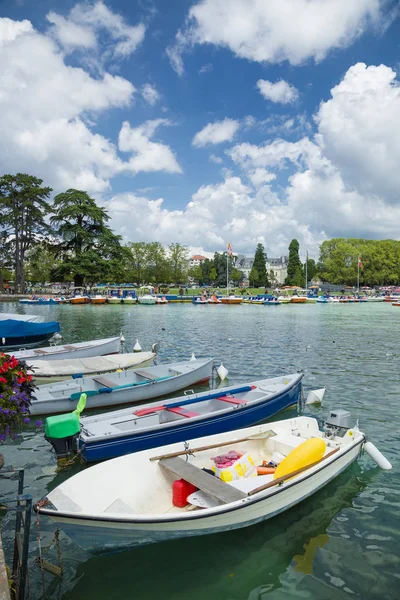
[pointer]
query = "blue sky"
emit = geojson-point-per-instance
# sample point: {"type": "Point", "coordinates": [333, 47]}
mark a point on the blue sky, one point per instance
{"type": "Point", "coordinates": [296, 104]}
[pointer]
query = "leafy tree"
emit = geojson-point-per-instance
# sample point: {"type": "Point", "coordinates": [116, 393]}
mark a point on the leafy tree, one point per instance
{"type": "Point", "coordinates": [178, 258]}
{"type": "Point", "coordinates": [259, 264]}
{"type": "Point", "coordinates": [6, 254]}
{"type": "Point", "coordinates": [42, 263]}
{"type": "Point", "coordinates": [23, 211]}
{"type": "Point", "coordinates": [254, 277]}
{"type": "Point", "coordinates": [89, 248]}
{"type": "Point", "coordinates": [213, 275]}
{"type": "Point", "coordinates": [206, 266]}
{"type": "Point", "coordinates": [196, 274]}
{"type": "Point", "coordinates": [156, 262]}
{"type": "Point", "coordinates": [295, 268]}
{"type": "Point", "coordinates": [220, 266]}
{"type": "Point", "coordinates": [138, 260]}
{"type": "Point", "coordinates": [237, 275]}
{"type": "Point", "coordinates": [311, 269]}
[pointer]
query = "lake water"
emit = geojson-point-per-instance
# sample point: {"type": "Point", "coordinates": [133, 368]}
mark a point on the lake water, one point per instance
{"type": "Point", "coordinates": [342, 543]}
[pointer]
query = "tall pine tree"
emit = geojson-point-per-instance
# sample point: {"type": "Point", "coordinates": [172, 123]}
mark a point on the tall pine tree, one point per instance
{"type": "Point", "coordinates": [259, 264]}
{"type": "Point", "coordinates": [295, 275]}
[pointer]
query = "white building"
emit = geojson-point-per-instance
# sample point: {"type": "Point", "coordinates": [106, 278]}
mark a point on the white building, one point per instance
{"type": "Point", "coordinates": [276, 268]}
{"type": "Point", "coordinates": [196, 260]}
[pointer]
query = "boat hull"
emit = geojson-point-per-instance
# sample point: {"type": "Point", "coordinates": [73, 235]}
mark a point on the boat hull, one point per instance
{"type": "Point", "coordinates": [210, 425]}
{"type": "Point", "coordinates": [102, 535]}
{"type": "Point", "coordinates": [106, 346]}
{"type": "Point", "coordinates": [98, 300]}
{"type": "Point", "coordinates": [60, 401]}
{"type": "Point", "coordinates": [79, 300]}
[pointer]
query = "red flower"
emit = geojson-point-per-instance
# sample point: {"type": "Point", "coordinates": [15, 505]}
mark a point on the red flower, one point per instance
{"type": "Point", "coordinates": [3, 380]}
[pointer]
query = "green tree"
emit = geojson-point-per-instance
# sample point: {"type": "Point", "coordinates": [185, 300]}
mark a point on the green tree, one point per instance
{"type": "Point", "coordinates": [213, 275]}
{"type": "Point", "coordinates": [311, 269]}
{"type": "Point", "coordinates": [220, 261]}
{"type": "Point", "coordinates": [23, 211]}
{"type": "Point", "coordinates": [259, 264]}
{"type": "Point", "coordinates": [6, 258]}
{"type": "Point", "coordinates": [295, 274]}
{"type": "Point", "coordinates": [156, 263]}
{"type": "Point", "coordinates": [196, 274]}
{"type": "Point", "coordinates": [138, 260]}
{"type": "Point", "coordinates": [254, 277]}
{"type": "Point", "coordinates": [42, 263]}
{"type": "Point", "coordinates": [237, 276]}
{"type": "Point", "coordinates": [178, 258]}
{"type": "Point", "coordinates": [89, 248]}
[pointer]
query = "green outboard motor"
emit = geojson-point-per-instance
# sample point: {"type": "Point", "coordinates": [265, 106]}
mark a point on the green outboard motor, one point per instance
{"type": "Point", "coordinates": [62, 431]}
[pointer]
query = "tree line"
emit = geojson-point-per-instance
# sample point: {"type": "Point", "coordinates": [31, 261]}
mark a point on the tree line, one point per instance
{"type": "Point", "coordinates": [69, 239]}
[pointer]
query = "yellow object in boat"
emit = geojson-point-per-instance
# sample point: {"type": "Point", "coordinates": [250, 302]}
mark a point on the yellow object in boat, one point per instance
{"type": "Point", "coordinates": [307, 453]}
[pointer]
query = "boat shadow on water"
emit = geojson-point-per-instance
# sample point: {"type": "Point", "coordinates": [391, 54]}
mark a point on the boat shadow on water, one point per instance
{"type": "Point", "coordinates": [236, 564]}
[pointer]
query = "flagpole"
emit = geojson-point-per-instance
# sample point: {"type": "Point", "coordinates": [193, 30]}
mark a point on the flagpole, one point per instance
{"type": "Point", "coordinates": [306, 270]}
{"type": "Point", "coordinates": [358, 275]}
{"type": "Point", "coordinates": [227, 275]}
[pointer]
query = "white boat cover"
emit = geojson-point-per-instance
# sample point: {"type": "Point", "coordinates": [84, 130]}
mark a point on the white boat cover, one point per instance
{"type": "Point", "coordinates": [26, 318]}
{"type": "Point", "coordinates": [95, 364]}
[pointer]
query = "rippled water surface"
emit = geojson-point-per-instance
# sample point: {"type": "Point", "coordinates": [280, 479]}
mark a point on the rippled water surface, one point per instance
{"type": "Point", "coordinates": [343, 542]}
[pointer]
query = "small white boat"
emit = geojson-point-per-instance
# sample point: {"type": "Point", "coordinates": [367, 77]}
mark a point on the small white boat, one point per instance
{"type": "Point", "coordinates": [134, 499]}
{"type": "Point", "coordinates": [114, 300]}
{"type": "Point", "coordinates": [147, 299]}
{"type": "Point", "coordinates": [77, 350]}
{"type": "Point", "coordinates": [51, 371]}
{"type": "Point", "coordinates": [214, 300]}
{"type": "Point", "coordinates": [200, 300]}
{"type": "Point", "coordinates": [120, 388]}
{"type": "Point", "coordinates": [161, 300]}
{"type": "Point", "coordinates": [129, 299]}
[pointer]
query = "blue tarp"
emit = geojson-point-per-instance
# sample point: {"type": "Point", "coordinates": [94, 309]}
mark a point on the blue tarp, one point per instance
{"type": "Point", "coordinates": [11, 328]}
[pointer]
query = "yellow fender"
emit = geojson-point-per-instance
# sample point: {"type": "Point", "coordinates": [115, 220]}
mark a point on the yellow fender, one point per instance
{"type": "Point", "coordinates": [307, 453]}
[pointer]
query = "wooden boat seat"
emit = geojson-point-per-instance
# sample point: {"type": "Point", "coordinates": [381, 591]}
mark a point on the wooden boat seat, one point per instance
{"type": "Point", "coordinates": [179, 410]}
{"type": "Point", "coordinates": [74, 347]}
{"type": "Point", "coordinates": [145, 374]}
{"type": "Point", "coordinates": [232, 400]}
{"type": "Point", "coordinates": [39, 351]}
{"type": "Point", "coordinates": [213, 486]}
{"type": "Point", "coordinates": [104, 381]}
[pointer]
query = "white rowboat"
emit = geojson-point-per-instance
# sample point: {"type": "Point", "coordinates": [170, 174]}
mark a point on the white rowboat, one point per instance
{"type": "Point", "coordinates": [78, 350]}
{"type": "Point", "coordinates": [127, 501]}
{"type": "Point", "coordinates": [50, 371]}
{"type": "Point", "coordinates": [120, 388]}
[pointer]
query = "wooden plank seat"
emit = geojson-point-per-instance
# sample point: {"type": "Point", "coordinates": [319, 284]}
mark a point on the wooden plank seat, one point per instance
{"type": "Point", "coordinates": [39, 351]}
{"type": "Point", "coordinates": [232, 400]}
{"type": "Point", "coordinates": [104, 381]}
{"type": "Point", "coordinates": [75, 348]}
{"type": "Point", "coordinates": [179, 410]}
{"type": "Point", "coordinates": [146, 374]}
{"type": "Point", "coordinates": [223, 492]}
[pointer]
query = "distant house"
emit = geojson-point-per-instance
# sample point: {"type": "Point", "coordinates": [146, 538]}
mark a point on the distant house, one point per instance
{"type": "Point", "coordinates": [275, 266]}
{"type": "Point", "coordinates": [196, 260]}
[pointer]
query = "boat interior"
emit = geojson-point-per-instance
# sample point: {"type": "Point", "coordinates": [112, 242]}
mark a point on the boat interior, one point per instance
{"type": "Point", "coordinates": [147, 492]}
{"type": "Point", "coordinates": [181, 409]}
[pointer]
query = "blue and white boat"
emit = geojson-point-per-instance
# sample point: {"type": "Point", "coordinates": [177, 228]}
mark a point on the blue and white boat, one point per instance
{"type": "Point", "coordinates": [322, 300]}
{"type": "Point", "coordinates": [120, 432]}
{"type": "Point", "coordinates": [25, 330]}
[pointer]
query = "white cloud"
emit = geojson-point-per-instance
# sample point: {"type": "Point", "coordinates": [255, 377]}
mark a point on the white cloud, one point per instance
{"type": "Point", "coordinates": [216, 133]}
{"type": "Point", "coordinates": [71, 35]}
{"type": "Point", "coordinates": [52, 109]}
{"type": "Point", "coordinates": [85, 20]}
{"type": "Point", "coordinates": [281, 91]}
{"type": "Point", "coordinates": [216, 159]}
{"type": "Point", "coordinates": [206, 68]}
{"type": "Point", "coordinates": [215, 214]}
{"type": "Point", "coordinates": [275, 31]}
{"type": "Point", "coordinates": [324, 189]}
{"type": "Point", "coordinates": [150, 94]}
{"type": "Point", "coordinates": [147, 155]}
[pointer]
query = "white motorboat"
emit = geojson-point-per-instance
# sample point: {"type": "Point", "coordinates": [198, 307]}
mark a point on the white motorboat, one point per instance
{"type": "Point", "coordinates": [77, 350]}
{"type": "Point", "coordinates": [147, 299]}
{"type": "Point", "coordinates": [120, 388]}
{"type": "Point", "coordinates": [51, 371]}
{"type": "Point", "coordinates": [141, 499]}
